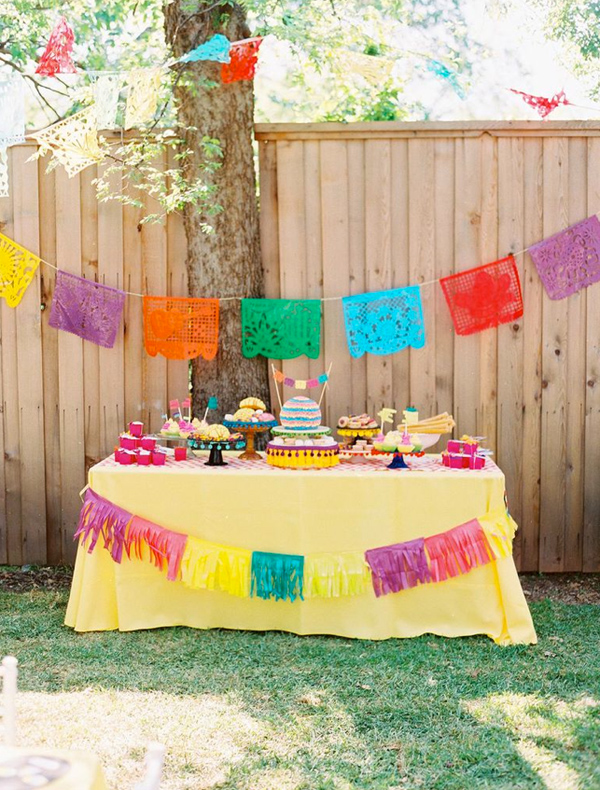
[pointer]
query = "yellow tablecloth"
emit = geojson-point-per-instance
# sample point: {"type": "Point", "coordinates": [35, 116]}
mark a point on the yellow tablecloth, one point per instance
{"type": "Point", "coordinates": [346, 508]}
{"type": "Point", "coordinates": [28, 767]}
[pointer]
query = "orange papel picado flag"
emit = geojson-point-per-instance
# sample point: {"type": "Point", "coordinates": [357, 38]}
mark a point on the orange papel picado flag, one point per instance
{"type": "Point", "coordinates": [181, 327]}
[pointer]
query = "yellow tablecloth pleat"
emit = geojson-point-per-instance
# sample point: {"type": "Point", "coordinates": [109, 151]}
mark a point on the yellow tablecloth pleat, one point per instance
{"type": "Point", "coordinates": [347, 508]}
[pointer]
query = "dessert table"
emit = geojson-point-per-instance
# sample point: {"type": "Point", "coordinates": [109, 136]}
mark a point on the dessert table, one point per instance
{"type": "Point", "coordinates": [352, 507]}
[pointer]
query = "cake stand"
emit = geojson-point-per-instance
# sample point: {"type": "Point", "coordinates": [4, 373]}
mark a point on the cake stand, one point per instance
{"type": "Point", "coordinates": [398, 461]}
{"type": "Point", "coordinates": [216, 447]}
{"type": "Point", "coordinates": [351, 434]}
{"type": "Point", "coordinates": [249, 429]}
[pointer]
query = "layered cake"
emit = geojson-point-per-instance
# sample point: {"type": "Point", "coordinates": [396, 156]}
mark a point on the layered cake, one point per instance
{"type": "Point", "coordinates": [301, 442]}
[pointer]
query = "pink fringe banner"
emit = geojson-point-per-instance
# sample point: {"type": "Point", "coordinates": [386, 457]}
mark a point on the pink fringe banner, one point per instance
{"type": "Point", "coordinates": [99, 517]}
{"type": "Point", "coordinates": [398, 567]}
{"type": "Point", "coordinates": [166, 547]}
{"type": "Point", "coordinates": [457, 551]}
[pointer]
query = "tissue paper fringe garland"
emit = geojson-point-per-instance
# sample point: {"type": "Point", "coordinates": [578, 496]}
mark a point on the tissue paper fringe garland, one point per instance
{"type": "Point", "coordinates": [202, 565]}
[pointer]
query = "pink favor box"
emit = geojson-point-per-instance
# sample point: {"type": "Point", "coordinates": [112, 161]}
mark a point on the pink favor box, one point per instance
{"type": "Point", "coordinates": [477, 462]}
{"type": "Point", "coordinates": [456, 446]}
{"type": "Point", "coordinates": [180, 453]}
{"type": "Point", "coordinates": [127, 442]}
{"type": "Point", "coordinates": [144, 457]}
{"type": "Point", "coordinates": [136, 428]}
{"type": "Point", "coordinates": [456, 460]}
{"type": "Point", "coordinates": [158, 457]}
{"type": "Point", "coordinates": [126, 457]}
{"type": "Point", "coordinates": [148, 443]}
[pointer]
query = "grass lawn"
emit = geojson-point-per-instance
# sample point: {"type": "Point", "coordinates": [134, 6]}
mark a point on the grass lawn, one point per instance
{"type": "Point", "coordinates": [280, 712]}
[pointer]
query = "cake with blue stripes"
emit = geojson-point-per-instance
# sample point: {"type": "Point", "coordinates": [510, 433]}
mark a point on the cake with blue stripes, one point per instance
{"type": "Point", "coordinates": [301, 413]}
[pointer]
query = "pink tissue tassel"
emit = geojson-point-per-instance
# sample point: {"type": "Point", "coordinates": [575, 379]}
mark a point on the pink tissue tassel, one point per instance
{"type": "Point", "coordinates": [457, 551]}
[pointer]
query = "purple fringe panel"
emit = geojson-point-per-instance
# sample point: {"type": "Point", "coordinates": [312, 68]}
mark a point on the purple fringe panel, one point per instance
{"type": "Point", "coordinates": [99, 517]}
{"type": "Point", "coordinates": [398, 567]}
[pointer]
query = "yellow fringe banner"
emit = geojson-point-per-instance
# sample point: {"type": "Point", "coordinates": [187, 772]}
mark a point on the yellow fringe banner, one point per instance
{"type": "Point", "coordinates": [334, 575]}
{"type": "Point", "coordinates": [499, 528]}
{"type": "Point", "coordinates": [208, 566]}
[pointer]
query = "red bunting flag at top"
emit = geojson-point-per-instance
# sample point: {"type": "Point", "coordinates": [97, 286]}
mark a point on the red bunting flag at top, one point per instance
{"type": "Point", "coordinates": [57, 57]}
{"type": "Point", "coordinates": [484, 297]}
{"type": "Point", "coordinates": [244, 57]}
{"type": "Point", "coordinates": [541, 104]}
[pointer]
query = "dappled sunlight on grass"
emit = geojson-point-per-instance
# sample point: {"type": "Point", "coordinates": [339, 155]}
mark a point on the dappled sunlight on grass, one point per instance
{"type": "Point", "coordinates": [247, 711]}
{"type": "Point", "coordinates": [205, 736]}
{"type": "Point", "coordinates": [554, 737]}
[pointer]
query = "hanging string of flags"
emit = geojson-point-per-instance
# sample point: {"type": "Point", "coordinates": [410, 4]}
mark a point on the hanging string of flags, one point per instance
{"type": "Point", "coordinates": [380, 323]}
{"type": "Point", "coordinates": [73, 142]}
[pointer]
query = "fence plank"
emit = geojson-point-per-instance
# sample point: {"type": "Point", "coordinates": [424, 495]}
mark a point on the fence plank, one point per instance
{"type": "Point", "coordinates": [292, 239]}
{"type": "Point", "coordinates": [154, 264]}
{"type": "Point", "coordinates": [336, 272]}
{"type": "Point", "coordinates": [91, 351]}
{"type": "Point", "coordinates": [378, 259]}
{"type": "Point", "coordinates": [576, 364]}
{"type": "Point", "coordinates": [178, 370]}
{"type": "Point", "coordinates": [134, 355]}
{"type": "Point", "coordinates": [314, 246]}
{"type": "Point", "coordinates": [400, 258]}
{"type": "Point", "coordinates": [110, 272]}
{"type": "Point", "coordinates": [444, 266]}
{"type": "Point", "coordinates": [488, 251]}
{"type": "Point", "coordinates": [554, 395]}
{"type": "Point", "coordinates": [510, 336]}
{"type": "Point", "coordinates": [357, 260]}
{"type": "Point", "coordinates": [10, 387]}
{"type": "Point", "coordinates": [421, 268]}
{"type": "Point", "coordinates": [532, 356]}
{"type": "Point", "coordinates": [467, 254]}
{"type": "Point", "coordinates": [70, 364]}
{"type": "Point", "coordinates": [591, 493]}
{"type": "Point", "coordinates": [30, 367]}
{"type": "Point", "coordinates": [269, 238]}
{"type": "Point", "coordinates": [47, 202]}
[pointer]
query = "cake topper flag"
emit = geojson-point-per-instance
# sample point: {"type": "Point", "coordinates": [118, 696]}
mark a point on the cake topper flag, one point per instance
{"type": "Point", "coordinates": [541, 104]}
{"type": "Point", "coordinates": [386, 415]}
{"type": "Point", "coordinates": [569, 260]}
{"type": "Point", "coordinates": [281, 328]}
{"type": "Point", "coordinates": [213, 403]}
{"type": "Point", "coordinates": [86, 308]}
{"type": "Point", "coordinates": [17, 269]}
{"type": "Point", "coordinates": [384, 322]}
{"type": "Point", "coordinates": [484, 297]}
{"type": "Point", "coordinates": [57, 57]}
{"type": "Point", "coordinates": [243, 60]}
{"type": "Point", "coordinates": [216, 48]}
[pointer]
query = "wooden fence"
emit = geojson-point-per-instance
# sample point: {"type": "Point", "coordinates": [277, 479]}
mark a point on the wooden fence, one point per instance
{"type": "Point", "coordinates": [366, 207]}
{"type": "Point", "coordinates": [344, 209]}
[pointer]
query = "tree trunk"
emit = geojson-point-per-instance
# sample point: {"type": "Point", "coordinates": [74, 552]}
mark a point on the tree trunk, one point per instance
{"type": "Point", "coordinates": [227, 262]}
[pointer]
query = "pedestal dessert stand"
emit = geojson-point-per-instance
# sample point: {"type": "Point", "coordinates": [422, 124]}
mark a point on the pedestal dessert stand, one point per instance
{"type": "Point", "coordinates": [249, 429]}
{"type": "Point", "coordinates": [216, 447]}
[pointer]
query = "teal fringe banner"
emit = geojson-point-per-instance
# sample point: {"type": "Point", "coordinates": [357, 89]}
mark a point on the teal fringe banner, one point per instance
{"type": "Point", "coordinates": [278, 576]}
